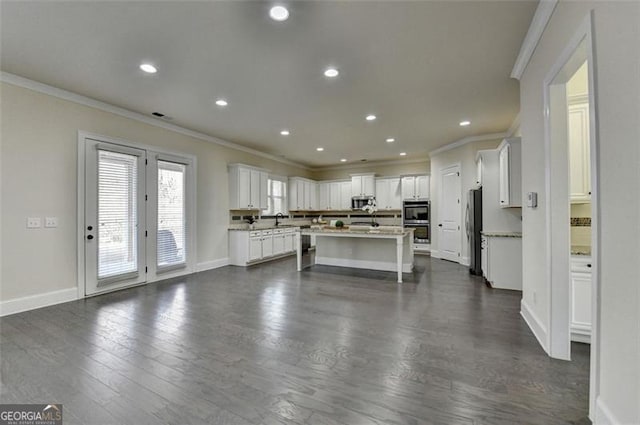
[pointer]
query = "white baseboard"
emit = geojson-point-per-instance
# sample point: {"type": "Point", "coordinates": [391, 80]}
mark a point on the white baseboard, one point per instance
{"type": "Point", "coordinates": [18, 305]}
{"type": "Point", "coordinates": [214, 264]}
{"type": "Point", "coordinates": [604, 416]}
{"type": "Point", "coordinates": [581, 333]}
{"type": "Point", "coordinates": [465, 261]}
{"type": "Point", "coordinates": [363, 264]}
{"type": "Point", "coordinates": [434, 253]}
{"type": "Point", "coordinates": [534, 323]}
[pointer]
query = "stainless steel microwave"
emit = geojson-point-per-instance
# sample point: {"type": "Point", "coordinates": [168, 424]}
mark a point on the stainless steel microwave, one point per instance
{"type": "Point", "coordinates": [358, 202]}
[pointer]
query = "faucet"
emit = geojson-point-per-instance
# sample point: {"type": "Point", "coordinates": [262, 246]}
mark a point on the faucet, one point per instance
{"type": "Point", "coordinates": [278, 215]}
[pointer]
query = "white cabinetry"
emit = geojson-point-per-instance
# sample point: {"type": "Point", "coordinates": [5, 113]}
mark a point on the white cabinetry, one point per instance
{"type": "Point", "coordinates": [247, 187]}
{"type": "Point", "coordinates": [415, 187]}
{"type": "Point", "coordinates": [581, 285]}
{"type": "Point", "coordinates": [247, 247]}
{"type": "Point", "coordinates": [388, 193]}
{"type": "Point", "coordinates": [501, 260]}
{"type": "Point", "coordinates": [479, 171]}
{"type": "Point", "coordinates": [324, 195]}
{"type": "Point", "coordinates": [510, 172]}
{"type": "Point", "coordinates": [363, 185]}
{"type": "Point", "coordinates": [345, 195]}
{"type": "Point", "coordinates": [579, 152]}
{"type": "Point", "coordinates": [302, 194]}
{"type": "Point", "coordinates": [331, 197]}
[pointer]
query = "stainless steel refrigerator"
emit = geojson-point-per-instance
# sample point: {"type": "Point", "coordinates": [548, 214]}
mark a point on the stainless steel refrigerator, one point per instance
{"type": "Point", "coordinates": [473, 225]}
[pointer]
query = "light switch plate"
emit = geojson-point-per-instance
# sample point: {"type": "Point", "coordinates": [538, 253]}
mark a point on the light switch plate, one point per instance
{"type": "Point", "coordinates": [51, 222]}
{"type": "Point", "coordinates": [34, 222]}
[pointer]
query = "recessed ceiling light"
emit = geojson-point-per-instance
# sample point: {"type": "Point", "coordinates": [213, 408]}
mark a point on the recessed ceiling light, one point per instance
{"type": "Point", "coordinates": [279, 13]}
{"type": "Point", "coordinates": [391, 140]}
{"type": "Point", "coordinates": [331, 72]}
{"type": "Point", "coordinates": [464, 123]}
{"type": "Point", "coordinates": [148, 68]}
{"type": "Point", "coordinates": [221, 102]}
{"type": "Point", "coordinates": [343, 160]}
{"type": "Point", "coordinates": [285, 132]}
{"type": "Point", "coordinates": [319, 149]}
{"type": "Point", "coordinates": [370, 117]}
{"type": "Point", "coordinates": [403, 154]}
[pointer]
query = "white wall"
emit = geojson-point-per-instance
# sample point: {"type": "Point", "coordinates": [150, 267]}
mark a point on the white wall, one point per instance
{"type": "Point", "coordinates": [466, 156]}
{"type": "Point", "coordinates": [617, 42]}
{"type": "Point", "coordinates": [39, 160]}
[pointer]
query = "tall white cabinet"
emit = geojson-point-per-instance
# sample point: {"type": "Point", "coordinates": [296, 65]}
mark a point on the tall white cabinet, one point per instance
{"type": "Point", "coordinates": [510, 173]}
{"type": "Point", "coordinates": [247, 187]}
{"type": "Point", "coordinates": [579, 151]}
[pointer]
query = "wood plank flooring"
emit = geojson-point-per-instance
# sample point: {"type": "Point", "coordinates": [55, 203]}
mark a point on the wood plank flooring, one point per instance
{"type": "Point", "coordinates": [268, 345]}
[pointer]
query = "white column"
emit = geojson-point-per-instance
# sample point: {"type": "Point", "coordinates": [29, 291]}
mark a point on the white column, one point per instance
{"type": "Point", "coordinates": [299, 250]}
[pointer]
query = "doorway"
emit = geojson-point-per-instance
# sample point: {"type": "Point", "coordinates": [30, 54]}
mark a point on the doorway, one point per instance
{"type": "Point", "coordinates": [450, 214]}
{"type": "Point", "coordinates": [566, 117]}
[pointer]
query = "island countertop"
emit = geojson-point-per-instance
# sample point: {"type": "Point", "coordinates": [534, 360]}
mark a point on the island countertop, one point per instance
{"type": "Point", "coordinates": [360, 231]}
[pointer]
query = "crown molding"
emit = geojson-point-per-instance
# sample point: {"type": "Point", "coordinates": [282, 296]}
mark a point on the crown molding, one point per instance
{"type": "Point", "coordinates": [534, 34]}
{"type": "Point", "coordinates": [368, 164]}
{"type": "Point", "coordinates": [514, 126]}
{"type": "Point", "coordinates": [26, 83]}
{"type": "Point", "coordinates": [467, 140]}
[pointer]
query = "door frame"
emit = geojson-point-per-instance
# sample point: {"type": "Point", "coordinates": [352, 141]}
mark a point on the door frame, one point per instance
{"type": "Point", "coordinates": [558, 261]}
{"type": "Point", "coordinates": [152, 275]}
{"type": "Point", "coordinates": [457, 165]}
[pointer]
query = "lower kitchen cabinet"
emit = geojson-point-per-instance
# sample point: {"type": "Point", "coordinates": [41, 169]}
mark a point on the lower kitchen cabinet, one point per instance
{"type": "Point", "coordinates": [248, 247]}
{"type": "Point", "coordinates": [501, 260]}
{"type": "Point", "coordinates": [581, 287]}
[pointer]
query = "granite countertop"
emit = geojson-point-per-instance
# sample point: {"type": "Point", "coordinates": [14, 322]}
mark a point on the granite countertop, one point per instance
{"type": "Point", "coordinates": [582, 250]}
{"type": "Point", "coordinates": [245, 227]}
{"type": "Point", "coordinates": [502, 234]}
{"type": "Point", "coordinates": [360, 230]}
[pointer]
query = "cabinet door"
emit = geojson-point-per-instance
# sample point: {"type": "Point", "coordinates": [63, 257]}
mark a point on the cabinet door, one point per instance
{"type": "Point", "coordinates": [408, 188]}
{"type": "Point", "coordinates": [504, 176]}
{"type": "Point", "coordinates": [264, 181]}
{"type": "Point", "coordinates": [579, 153]}
{"type": "Point", "coordinates": [300, 195]}
{"type": "Point", "coordinates": [313, 196]}
{"type": "Point", "coordinates": [581, 299]}
{"type": "Point", "coordinates": [244, 188]}
{"type": "Point", "coordinates": [484, 257]}
{"type": "Point", "coordinates": [254, 201]}
{"type": "Point", "coordinates": [368, 186]}
{"type": "Point", "coordinates": [356, 186]}
{"type": "Point", "coordinates": [324, 201]}
{"type": "Point", "coordinates": [382, 193]}
{"type": "Point", "coordinates": [345, 195]}
{"type": "Point", "coordinates": [278, 244]}
{"type": "Point", "coordinates": [422, 187]}
{"type": "Point", "coordinates": [335, 201]}
{"type": "Point", "coordinates": [255, 248]}
{"type": "Point", "coordinates": [267, 246]}
{"type": "Point", "coordinates": [289, 238]}
{"type": "Point", "coordinates": [395, 194]}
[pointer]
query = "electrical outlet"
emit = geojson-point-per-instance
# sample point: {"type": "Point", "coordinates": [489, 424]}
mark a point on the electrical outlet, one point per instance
{"type": "Point", "coordinates": [51, 222]}
{"type": "Point", "coordinates": [34, 222]}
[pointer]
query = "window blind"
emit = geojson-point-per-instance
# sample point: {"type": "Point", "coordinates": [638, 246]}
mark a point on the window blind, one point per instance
{"type": "Point", "coordinates": [171, 235]}
{"type": "Point", "coordinates": [117, 214]}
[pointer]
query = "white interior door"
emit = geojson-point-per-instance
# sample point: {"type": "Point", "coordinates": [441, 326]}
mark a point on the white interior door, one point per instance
{"type": "Point", "coordinates": [450, 212]}
{"type": "Point", "coordinates": [114, 217]}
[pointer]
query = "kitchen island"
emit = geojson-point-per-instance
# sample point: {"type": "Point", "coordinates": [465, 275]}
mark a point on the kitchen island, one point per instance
{"type": "Point", "coordinates": [386, 249]}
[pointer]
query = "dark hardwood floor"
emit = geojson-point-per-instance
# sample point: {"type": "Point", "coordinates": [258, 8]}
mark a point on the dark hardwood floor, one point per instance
{"type": "Point", "coordinates": [268, 345]}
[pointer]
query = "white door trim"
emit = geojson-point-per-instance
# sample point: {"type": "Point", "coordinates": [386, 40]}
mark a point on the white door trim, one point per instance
{"type": "Point", "coordinates": [558, 291]}
{"type": "Point", "coordinates": [80, 227]}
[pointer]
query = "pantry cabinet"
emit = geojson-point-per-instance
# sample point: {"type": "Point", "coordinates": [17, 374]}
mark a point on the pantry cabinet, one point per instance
{"type": "Point", "coordinates": [247, 187]}
{"type": "Point", "coordinates": [579, 152]}
{"type": "Point", "coordinates": [510, 173]}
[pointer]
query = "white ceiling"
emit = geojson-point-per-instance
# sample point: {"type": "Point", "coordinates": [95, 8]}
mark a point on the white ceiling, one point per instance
{"type": "Point", "coordinates": [421, 67]}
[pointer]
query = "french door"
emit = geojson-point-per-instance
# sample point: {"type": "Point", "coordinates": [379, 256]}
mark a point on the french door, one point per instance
{"type": "Point", "coordinates": [114, 222]}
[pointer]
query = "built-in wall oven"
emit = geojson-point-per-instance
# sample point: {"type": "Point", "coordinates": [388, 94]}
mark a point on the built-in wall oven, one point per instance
{"type": "Point", "coordinates": [416, 215]}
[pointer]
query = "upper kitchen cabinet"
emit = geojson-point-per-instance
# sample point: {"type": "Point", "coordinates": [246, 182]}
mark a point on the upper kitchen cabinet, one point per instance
{"type": "Point", "coordinates": [247, 187]}
{"type": "Point", "coordinates": [388, 193]}
{"type": "Point", "coordinates": [363, 184]}
{"type": "Point", "coordinates": [579, 151]}
{"type": "Point", "coordinates": [510, 173]}
{"type": "Point", "coordinates": [302, 194]}
{"type": "Point", "coordinates": [415, 187]}
{"type": "Point", "coordinates": [479, 170]}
